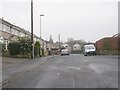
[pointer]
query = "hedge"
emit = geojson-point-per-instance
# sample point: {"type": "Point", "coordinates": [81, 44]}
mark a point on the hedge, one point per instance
{"type": "Point", "coordinates": [14, 48]}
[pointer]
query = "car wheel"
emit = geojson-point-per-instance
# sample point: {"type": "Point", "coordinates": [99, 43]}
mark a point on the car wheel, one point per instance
{"type": "Point", "coordinates": [85, 54]}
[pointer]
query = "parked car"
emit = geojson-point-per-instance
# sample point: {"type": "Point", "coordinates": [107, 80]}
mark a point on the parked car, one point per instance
{"type": "Point", "coordinates": [89, 50]}
{"type": "Point", "coordinates": [65, 52]}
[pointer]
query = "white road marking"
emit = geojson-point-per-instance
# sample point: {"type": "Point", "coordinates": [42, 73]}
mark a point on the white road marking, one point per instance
{"type": "Point", "coordinates": [77, 68]}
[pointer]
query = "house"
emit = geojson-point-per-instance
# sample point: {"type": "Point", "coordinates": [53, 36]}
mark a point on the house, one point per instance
{"type": "Point", "coordinates": [112, 42]}
{"type": "Point", "coordinates": [76, 47]}
{"type": "Point", "coordinates": [108, 43]}
{"type": "Point", "coordinates": [10, 32]}
{"type": "Point", "coordinates": [66, 46]}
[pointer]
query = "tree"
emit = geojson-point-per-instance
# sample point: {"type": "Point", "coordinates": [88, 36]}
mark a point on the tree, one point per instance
{"type": "Point", "coordinates": [37, 48]}
{"type": "Point", "coordinates": [50, 39]}
{"type": "Point", "coordinates": [70, 41]}
{"type": "Point", "coordinates": [14, 48]}
{"type": "Point", "coordinates": [25, 44]}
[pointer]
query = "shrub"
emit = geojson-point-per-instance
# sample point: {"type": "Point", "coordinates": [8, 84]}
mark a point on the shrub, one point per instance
{"type": "Point", "coordinates": [37, 48]}
{"type": "Point", "coordinates": [14, 48]}
{"type": "Point", "coordinates": [25, 45]}
{"type": "Point", "coordinates": [43, 54]}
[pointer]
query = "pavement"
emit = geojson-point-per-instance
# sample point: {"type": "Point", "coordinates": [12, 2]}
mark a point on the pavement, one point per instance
{"type": "Point", "coordinates": [73, 71]}
{"type": "Point", "coordinates": [12, 67]}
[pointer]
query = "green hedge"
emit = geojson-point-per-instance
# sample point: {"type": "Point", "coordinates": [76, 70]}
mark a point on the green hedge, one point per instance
{"type": "Point", "coordinates": [22, 48]}
{"type": "Point", "coordinates": [36, 51]}
{"type": "Point", "coordinates": [14, 48]}
{"type": "Point", "coordinates": [37, 48]}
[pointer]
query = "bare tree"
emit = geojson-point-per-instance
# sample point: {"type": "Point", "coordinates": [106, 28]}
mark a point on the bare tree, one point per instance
{"type": "Point", "coordinates": [50, 39]}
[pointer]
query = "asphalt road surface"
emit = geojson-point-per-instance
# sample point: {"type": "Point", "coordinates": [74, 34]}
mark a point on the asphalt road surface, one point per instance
{"type": "Point", "coordinates": [73, 71]}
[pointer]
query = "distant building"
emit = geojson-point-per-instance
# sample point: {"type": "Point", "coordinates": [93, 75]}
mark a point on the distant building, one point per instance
{"type": "Point", "coordinates": [66, 46]}
{"type": "Point", "coordinates": [76, 47]}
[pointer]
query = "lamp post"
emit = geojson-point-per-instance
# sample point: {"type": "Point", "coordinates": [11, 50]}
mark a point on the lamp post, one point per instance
{"type": "Point", "coordinates": [32, 42]}
{"type": "Point", "coordinates": [40, 34]}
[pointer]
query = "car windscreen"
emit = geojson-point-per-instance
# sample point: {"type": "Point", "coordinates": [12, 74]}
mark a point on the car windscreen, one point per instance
{"type": "Point", "coordinates": [89, 47]}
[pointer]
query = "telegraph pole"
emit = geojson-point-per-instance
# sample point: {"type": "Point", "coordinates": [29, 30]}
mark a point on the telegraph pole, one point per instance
{"type": "Point", "coordinates": [59, 41]}
{"type": "Point", "coordinates": [32, 47]}
{"type": "Point", "coordinates": [41, 36]}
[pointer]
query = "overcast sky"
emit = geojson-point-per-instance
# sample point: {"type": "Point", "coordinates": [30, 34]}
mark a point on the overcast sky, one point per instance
{"type": "Point", "coordinates": [89, 20]}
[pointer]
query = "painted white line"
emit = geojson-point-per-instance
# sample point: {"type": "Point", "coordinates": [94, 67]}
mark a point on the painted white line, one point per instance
{"type": "Point", "coordinates": [77, 68]}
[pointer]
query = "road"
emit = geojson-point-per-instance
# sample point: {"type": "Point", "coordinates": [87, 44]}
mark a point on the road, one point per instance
{"type": "Point", "coordinates": [73, 71]}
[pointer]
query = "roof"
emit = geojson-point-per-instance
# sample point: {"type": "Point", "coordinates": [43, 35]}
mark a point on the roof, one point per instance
{"type": "Point", "coordinates": [117, 35]}
{"type": "Point", "coordinates": [114, 36]}
{"type": "Point", "coordinates": [19, 28]}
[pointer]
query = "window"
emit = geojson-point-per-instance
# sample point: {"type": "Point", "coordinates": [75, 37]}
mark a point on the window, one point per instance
{"type": "Point", "coordinates": [6, 42]}
{"type": "Point", "coordinates": [7, 28]}
{"type": "Point", "coordinates": [35, 39]}
{"type": "Point", "coordinates": [22, 34]}
{"type": "Point", "coordinates": [12, 31]}
{"type": "Point", "coordinates": [17, 33]}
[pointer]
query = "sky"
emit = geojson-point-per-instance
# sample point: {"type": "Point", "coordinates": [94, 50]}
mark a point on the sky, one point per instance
{"type": "Point", "coordinates": [89, 20]}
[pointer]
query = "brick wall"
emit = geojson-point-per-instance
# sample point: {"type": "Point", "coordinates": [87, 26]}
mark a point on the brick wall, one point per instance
{"type": "Point", "coordinates": [112, 41]}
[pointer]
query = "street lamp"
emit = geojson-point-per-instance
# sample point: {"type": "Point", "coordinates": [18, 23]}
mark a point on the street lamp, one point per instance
{"type": "Point", "coordinates": [40, 34]}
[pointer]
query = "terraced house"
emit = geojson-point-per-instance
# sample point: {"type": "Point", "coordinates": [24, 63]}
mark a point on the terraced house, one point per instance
{"type": "Point", "coordinates": [10, 32]}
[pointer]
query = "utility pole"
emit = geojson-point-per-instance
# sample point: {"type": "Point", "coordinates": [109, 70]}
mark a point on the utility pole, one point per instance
{"type": "Point", "coordinates": [32, 47]}
{"type": "Point", "coordinates": [41, 36]}
{"type": "Point", "coordinates": [59, 41]}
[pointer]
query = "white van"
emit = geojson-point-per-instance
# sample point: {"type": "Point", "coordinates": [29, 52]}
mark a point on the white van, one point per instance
{"type": "Point", "coordinates": [89, 50]}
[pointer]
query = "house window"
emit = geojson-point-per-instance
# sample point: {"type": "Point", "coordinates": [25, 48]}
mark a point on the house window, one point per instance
{"type": "Point", "coordinates": [22, 34]}
{"type": "Point", "coordinates": [35, 39]}
{"type": "Point", "coordinates": [6, 42]}
{"type": "Point", "coordinates": [7, 28]}
{"type": "Point", "coordinates": [12, 31]}
{"type": "Point", "coordinates": [2, 27]}
{"type": "Point", "coordinates": [17, 33]}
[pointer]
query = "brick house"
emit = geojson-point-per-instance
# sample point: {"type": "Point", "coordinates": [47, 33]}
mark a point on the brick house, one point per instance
{"type": "Point", "coordinates": [111, 43]}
